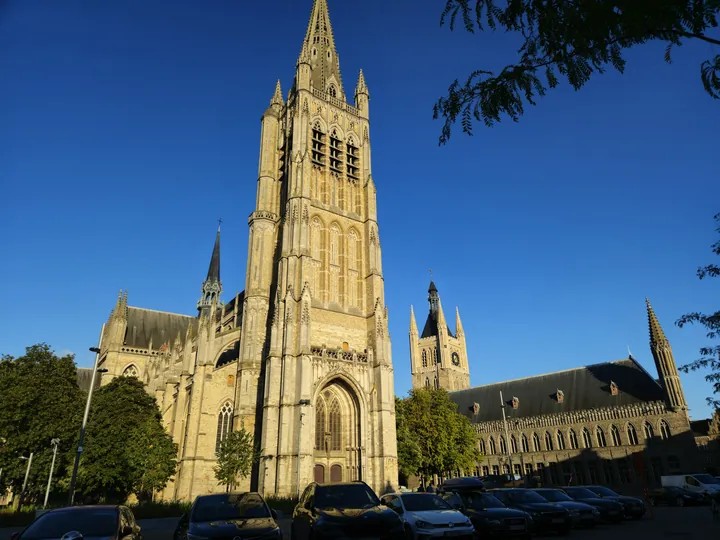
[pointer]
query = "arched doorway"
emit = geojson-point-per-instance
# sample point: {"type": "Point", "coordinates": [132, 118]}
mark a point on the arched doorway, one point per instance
{"type": "Point", "coordinates": [337, 432]}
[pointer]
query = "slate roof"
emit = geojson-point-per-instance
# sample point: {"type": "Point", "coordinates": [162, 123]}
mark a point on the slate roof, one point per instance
{"type": "Point", "coordinates": [146, 326]}
{"type": "Point", "coordinates": [583, 388]}
{"type": "Point", "coordinates": [214, 268]}
{"type": "Point", "coordinates": [84, 375]}
{"type": "Point", "coordinates": [431, 327]}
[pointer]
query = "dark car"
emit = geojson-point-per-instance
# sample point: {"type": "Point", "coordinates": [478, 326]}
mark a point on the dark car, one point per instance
{"type": "Point", "coordinates": [581, 514]}
{"type": "Point", "coordinates": [675, 496]}
{"type": "Point", "coordinates": [83, 522]}
{"type": "Point", "coordinates": [488, 515]}
{"type": "Point", "coordinates": [611, 511]}
{"type": "Point", "coordinates": [547, 516]}
{"type": "Point", "coordinates": [344, 510]}
{"type": "Point", "coordinates": [633, 507]}
{"type": "Point", "coordinates": [228, 515]}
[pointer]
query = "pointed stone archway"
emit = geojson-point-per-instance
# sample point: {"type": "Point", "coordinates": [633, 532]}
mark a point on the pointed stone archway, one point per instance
{"type": "Point", "coordinates": [337, 433]}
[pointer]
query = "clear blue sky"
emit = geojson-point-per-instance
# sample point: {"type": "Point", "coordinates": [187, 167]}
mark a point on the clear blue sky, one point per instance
{"type": "Point", "coordinates": [129, 127]}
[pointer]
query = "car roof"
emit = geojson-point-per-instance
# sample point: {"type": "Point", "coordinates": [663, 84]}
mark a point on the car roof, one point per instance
{"type": "Point", "coordinates": [463, 481]}
{"type": "Point", "coordinates": [85, 508]}
{"type": "Point", "coordinates": [353, 483]}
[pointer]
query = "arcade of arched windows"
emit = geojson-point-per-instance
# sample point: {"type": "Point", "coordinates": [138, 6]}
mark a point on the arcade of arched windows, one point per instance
{"type": "Point", "coordinates": [336, 264]}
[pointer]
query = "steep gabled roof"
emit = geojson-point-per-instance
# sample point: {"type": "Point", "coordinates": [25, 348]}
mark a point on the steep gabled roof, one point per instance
{"type": "Point", "coordinates": [146, 326]}
{"type": "Point", "coordinates": [582, 388]}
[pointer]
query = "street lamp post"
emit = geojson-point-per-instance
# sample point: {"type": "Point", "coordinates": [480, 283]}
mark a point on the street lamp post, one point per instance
{"type": "Point", "coordinates": [81, 439]}
{"type": "Point", "coordinates": [508, 448]}
{"type": "Point", "coordinates": [27, 475]}
{"type": "Point", "coordinates": [55, 443]}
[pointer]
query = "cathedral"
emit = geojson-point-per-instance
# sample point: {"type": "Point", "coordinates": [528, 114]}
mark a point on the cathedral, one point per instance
{"type": "Point", "coordinates": [301, 358]}
{"type": "Point", "coordinates": [611, 423]}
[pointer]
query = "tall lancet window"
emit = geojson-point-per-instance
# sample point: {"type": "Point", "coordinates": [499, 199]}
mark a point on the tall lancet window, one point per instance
{"type": "Point", "coordinates": [352, 249]}
{"type": "Point", "coordinates": [315, 243]}
{"type": "Point", "coordinates": [335, 424]}
{"type": "Point", "coordinates": [334, 263]}
{"type": "Point", "coordinates": [224, 427]}
{"type": "Point", "coordinates": [424, 358]}
{"type": "Point", "coordinates": [320, 425]}
{"type": "Point", "coordinates": [334, 247]}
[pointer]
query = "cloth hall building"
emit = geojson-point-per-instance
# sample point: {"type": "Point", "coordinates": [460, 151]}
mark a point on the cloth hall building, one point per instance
{"type": "Point", "coordinates": [301, 358]}
{"type": "Point", "coordinates": [611, 423]}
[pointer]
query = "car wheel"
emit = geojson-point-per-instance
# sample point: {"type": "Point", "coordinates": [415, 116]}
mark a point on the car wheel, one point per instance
{"type": "Point", "coordinates": [680, 501]}
{"type": "Point", "coordinates": [408, 533]}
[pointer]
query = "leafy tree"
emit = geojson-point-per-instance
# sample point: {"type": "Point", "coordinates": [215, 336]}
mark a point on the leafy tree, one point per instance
{"type": "Point", "coordinates": [571, 39]}
{"type": "Point", "coordinates": [710, 355]}
{"type": "Point", "coordinates": [39, 400]}
{"type": "Point", "coordinates": [434, 438]}
{"type": "Point", "coordinates": [127, 450]}
{"type": "Point", "coordinates": [236, 456]}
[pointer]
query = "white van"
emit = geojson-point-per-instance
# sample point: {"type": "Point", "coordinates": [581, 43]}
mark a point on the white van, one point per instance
{"type": "Point", "coordinates": [699, 483]}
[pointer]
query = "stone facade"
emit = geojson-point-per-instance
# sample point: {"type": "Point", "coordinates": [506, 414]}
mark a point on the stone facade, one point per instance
{"type": "Point", "coordinates": [610, 423]}
{"type": "Point", "coordinates": [301, 358]}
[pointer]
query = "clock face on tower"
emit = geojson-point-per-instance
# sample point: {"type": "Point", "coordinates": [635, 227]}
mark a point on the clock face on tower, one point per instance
{"type": "Point", "coordinates": [455, 359]}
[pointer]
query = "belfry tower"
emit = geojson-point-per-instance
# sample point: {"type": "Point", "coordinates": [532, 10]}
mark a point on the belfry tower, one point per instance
{"type": "Point", "coordinates": [665, 364]}
{"type": "Point", "coordinates": [315, 375]}
{"type": "Point", "coordinates": [438, 359]}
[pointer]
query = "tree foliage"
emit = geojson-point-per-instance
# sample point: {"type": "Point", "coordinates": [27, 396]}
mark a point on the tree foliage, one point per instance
{"type": "Point", "coordinates": [236, 457]}
{"type": "Point", "coordinates": [432, 436]}
{"type": "Point", "coordinates": [710, 355]}
{"type": "Point", "coordinates": [127, 449]}
{"type": "Point", "coordinates": [39, 401]}
{"type": "Point", "coordinates": [570, 39]}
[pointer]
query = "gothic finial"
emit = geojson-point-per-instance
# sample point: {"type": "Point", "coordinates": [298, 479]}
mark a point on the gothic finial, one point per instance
{"type": "Point", "coordinates": [657, 336]}
{"type": "Point", "coordinates": [277, 98]}
{"type": "Point", "coordinates": [458, 324]}
{"type": "Point", "coordinates": [361, 87]}
{"type": "Point", "coordinates": [413, 323]}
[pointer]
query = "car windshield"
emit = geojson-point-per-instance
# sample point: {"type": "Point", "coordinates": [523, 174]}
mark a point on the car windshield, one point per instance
{"type": "Point", "coordinates": [88, 521]}
{"type": "Point", "coordinates": [553, 495]}
{"type": "Point", "coordinates": [416, 502]}
{"type": "Point", "coordinates": [523, 496]}
{"type": "Point", "coordinates": [228, 507]}
{"type": "Point", "coordinates": [603, 491]}
{"type": "Point", "coordinates": [706, 479]}
{"type": "Point", "coordinates": [581, 493]}
{"type": "Point", "coordinates": [480, 501]}
{"type": "Point", "coordinates": [345, 496]}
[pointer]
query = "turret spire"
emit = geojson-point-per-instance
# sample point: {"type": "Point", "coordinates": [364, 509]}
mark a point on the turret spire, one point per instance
{"type": "Point", "coordinates": [665, 363]}
{"type": "Point", "coordinates": [277, 98]}
{"type": "Point", "coordinates": [459, 332]}
{"type": "Point", "coordinates": [212, 286]}
{"type": "Point", "coordinates": [319, 43]}
{"type": "Point", "coordinates": [413, 323]}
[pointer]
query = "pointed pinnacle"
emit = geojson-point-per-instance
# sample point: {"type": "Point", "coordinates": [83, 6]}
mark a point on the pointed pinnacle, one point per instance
{"type": "Point", "coordinates": [657, 336]}
{"type": "Point", "coordinates": [458, 325]}
{"type": "Point", "coordinates": [361, 87]}
{"type": "Point", "coordinates": [413, 322]}
{"type": "Point", "coordinates": [277, 98]}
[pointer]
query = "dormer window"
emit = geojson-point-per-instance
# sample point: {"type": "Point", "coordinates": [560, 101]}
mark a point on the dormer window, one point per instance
{"type": "Point", "coordinates": [560, 396]}
{"type": "Point", "coordinates": [318, 145]}
{"type": "Point", "coordinates": [515, 403]}
{"type": "Point", "coordinates": [332, 90]}
{"type": "Point", "coordinates": [614, 390]}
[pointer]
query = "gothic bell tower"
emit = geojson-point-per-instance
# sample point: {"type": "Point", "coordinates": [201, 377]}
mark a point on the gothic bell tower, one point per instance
{"type": "Point", "coordinates": [315, 377]}
{"type": "Point", "coordinates": [438, 358]}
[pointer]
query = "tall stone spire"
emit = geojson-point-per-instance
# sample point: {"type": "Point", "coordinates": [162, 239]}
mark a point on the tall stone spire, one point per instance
{"type": "Point", "coordinates": [413, 323]}
{"type": "Point", "coordinates": [212, 286]}
{"type": "Point", "coordinates": [665, 363]}
{"type": "Point", "coordinates": [319, 47]}
{"type": "Point", "coordinates": [459, 332]}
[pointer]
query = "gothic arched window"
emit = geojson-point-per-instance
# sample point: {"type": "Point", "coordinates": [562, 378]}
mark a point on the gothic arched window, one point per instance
{"type": "Point", "coordinates": [225, 420]}
{"type": "Point", "coordinates": [503, 445]}
{"type": "Point", "coordinates": [548, 441]}
{"type": "Point", "coordinates": [587, 441]}
{"type": "Point", "coordinates": [482, 446]}
{"type": "Point", "coordinates": [600, 434]}
{"type": "Point", "coordinates": [615, 434]}
{"type": "Point", "coordinates": [513, 444]}
{"type": "Point", "coordinates": [335, 425]}
{"type": "Point", "coordinates": [334, 247]}
{"type": "Point", "coordinates": [632, 435]}
{"type": "Point", "coordinates": [573, 439]}
{"type": "Point", "coordinates": [664, 430]}
{"type": "Point", "coordinates": [352, 250]}
{"type": "Point", "coordinates": [524, 443]}
{"type": "Point", "coordinates": [648, 429]}
{"type": "Point", "coordinates": [320, 425]}
{"type": "Point", "coordinates": [131, 371]}
{"type": "Point", "coordinates": [424, 358]}
{"type": "Point", "coordinates": [536, 442]}
{"type": "Point", "coordinates": [492, 445]}
{"type": "Point", "coordinates": [560, 440]}
{"type": "Point", "coordinates": [332, 91]}
{"type": "Point", "coordinates": [427, 382]}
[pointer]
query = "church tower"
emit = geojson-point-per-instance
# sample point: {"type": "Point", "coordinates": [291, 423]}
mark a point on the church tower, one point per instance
{"type": "Point", "coordinates": [315, 375]}
{"type": "Point", "coordinates": [665, 364]}
{"type": "Point", "coordinates": [438, 358]}
{"type": "Point", "coordinates": [212, 286]}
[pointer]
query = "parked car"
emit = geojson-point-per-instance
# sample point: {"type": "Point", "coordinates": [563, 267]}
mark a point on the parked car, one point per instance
{"type": "Point", "coordinates": [611, 511]}
{"type": "Point", "coordinates": [83, 522]}
{"type": "Point", "coordinates": [329, 511]}
{"type": "Point", "coordinates": [426, 516]}
{"type": "Point", "coordinates": [488, 515]}
{"type": "Point", "coordinates": [675, 496]}
{"type": "Point", "coordinates": [547, 516]}
{"type": "Point", "coordinates": [581, 514]}
{"type": "Point", "coordinates": [228, 515]}
{"type": "Point", "coordinates": [633, 507]}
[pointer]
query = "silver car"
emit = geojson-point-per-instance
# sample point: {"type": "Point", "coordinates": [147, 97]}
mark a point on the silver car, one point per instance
{"type": "Point", "coordinates": [426, 516]}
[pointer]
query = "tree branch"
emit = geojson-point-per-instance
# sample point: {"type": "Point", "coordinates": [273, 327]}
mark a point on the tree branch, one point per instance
{"type": "Point", "coordinates": [700, 36]}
